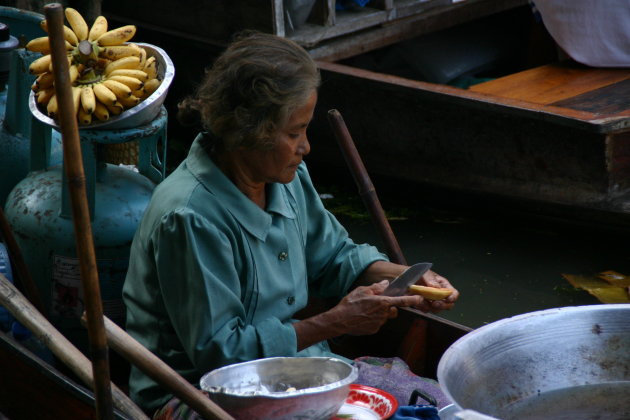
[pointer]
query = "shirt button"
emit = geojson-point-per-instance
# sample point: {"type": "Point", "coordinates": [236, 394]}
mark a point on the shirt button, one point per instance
{"type": "Point", "coordinates": [291, 300]}
{"type": "Point", "coordinates": [282, 256]}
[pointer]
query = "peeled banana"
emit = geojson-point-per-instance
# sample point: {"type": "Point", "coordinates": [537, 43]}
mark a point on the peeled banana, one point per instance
{"type": "Point", "coordinates": [108, 74]}
{"type": "Point", "coordinates": [430, 293]}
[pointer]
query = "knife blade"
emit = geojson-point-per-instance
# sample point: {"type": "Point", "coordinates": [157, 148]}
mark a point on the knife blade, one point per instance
{"type": "Point", "coordinates": [400, 284]}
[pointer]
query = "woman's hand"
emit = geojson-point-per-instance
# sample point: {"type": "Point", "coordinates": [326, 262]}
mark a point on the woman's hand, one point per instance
{"type": "Point", "coordinates": [388, 270]}
{"type": "Point", "coordinates": [433, 279]}
{"type": "Point", "coordinates": [364, 311]}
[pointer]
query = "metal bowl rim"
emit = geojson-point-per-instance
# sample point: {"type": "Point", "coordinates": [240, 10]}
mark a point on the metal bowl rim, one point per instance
{"type": "Point", "coordinates": [118, 121]}
{"type": "Point", "coordinates": [472, 335]}
{"type": "Point", "coordinates": [350, 378]}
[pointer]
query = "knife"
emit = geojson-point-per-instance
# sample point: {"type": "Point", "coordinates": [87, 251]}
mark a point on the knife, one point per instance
{"type": "Point", "coordinates": [400, 284]}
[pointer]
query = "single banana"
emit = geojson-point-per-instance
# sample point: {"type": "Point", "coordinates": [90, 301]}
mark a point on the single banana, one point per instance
{"type": "Point", "coordinates": [151, 86]}
{"type": "Point", "coordinates": [52, 107]}
{"type": "Point", "coordinates": [76, 98]}
{"type": "Point", "coordinates": [138, 74]}
{"type": "Point", "coordinates": [44, 95]}
{"type": "Point", "coordinates": [130, 101]}
{"type": "Point", "coordinates": [74, 73]}
{"type": "Point", "coordinates": [430, 293]}
{"type": "Point", "coordinates": [115, 109]}
{"type": "Point", "coordinates": [77, 23]}
{"type": "Point", "coordinates": [84, 118]}
{"type": "Point", "coordinates": [88, 100]}
{"type": "Point", "coordinates": [140, 93]}
{"type": "Point", "coordinates": [70, 36]}
{"type": "Point", "coordinates": [45, 80]}
{"type": "Point", "coordinates": [40, 45]}
{"type": "Point", "coordinates": [143, 57]}
{"type": "Point", "coordinates": [99, 27]}
{"type": "Point", "coordinates": [132, 82]}
{"type": "Point", "coordinates": [117, 36]}
{"type": "Point", "coordinates": [150, 68]}
{"type": "Point", "coordinates": [40, 65]}
{"type": "Point", "coordinates": [100, 112]}
{"type": "Point", "coordinates": [104, 94]}
{"type": "Point", "coordinates": [123, 63]}
{"type": "Point", "coordinates": [116, 52]}
{"type": "Point", "coordinates": [120, 90]}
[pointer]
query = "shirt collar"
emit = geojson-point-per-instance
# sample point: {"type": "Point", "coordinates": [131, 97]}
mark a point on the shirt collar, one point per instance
{"type": "Point", "coordinates": [251, 217]}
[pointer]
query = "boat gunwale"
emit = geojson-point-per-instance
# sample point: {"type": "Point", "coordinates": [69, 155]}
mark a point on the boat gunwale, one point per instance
{"type": "Point", "coordinates": [597, 123]}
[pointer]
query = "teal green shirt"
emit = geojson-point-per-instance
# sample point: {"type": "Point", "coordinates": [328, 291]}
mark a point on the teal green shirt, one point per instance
{"type": "Point", "coordinates": [214, 279]}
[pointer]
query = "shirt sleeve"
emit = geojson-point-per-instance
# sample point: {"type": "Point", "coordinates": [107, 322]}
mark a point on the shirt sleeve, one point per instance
{"type": "Point", "coordinates": [334, 260]}
{"type": "Point", "coordinates": [199, 281]}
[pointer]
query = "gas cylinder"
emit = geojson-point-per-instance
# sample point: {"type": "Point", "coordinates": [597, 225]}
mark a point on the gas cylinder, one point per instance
{"type": "Point", "coordinates": [17, 123]}
{"type": "Point", "coordinates": [40, 214]}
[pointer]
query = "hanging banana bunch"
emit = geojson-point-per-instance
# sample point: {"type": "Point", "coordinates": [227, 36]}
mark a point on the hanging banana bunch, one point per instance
{"type": "Point", "coordinates": [108, 73]}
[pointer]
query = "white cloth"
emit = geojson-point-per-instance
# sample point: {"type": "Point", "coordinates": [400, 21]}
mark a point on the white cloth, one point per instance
{"type": "Point", "coordinates": [592, 32]}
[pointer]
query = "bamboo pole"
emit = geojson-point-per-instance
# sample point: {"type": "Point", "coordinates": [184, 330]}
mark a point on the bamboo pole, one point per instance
{"type": "Point", "coordinates": [73, 166]}
{"type": "Point", "coordinates": [62, 348]}
{"type": "Point", "coordinates": [365, 186]}
{"type": "Point", "coordinates": [153, 366]}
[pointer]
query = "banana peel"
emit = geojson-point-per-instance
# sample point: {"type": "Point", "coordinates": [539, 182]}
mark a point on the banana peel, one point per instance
{"type": "Point", "coordinates": [430, 293]}
{"type": "Point", "coordinates": [606, 286]}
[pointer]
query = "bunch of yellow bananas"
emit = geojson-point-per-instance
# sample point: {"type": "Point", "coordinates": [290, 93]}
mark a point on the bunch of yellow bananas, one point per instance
{"type": "Point", "coordinates": [108, 74]}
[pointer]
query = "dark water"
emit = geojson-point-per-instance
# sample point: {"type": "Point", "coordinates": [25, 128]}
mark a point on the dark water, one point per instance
{"type": "Point", "coordinates": [504, 259]}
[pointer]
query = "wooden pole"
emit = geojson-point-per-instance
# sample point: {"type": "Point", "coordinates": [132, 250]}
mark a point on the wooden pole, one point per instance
{"type": "Point", "coordinates": [66, 352]}
{"type": "Point", "coordinates": [153, 366]}
{"type": "Point", "coordinates": [366, 188]}
{"type": "Point", "coordinates": [73, 165]}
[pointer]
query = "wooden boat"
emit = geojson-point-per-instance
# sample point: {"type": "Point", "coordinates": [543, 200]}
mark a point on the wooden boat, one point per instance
{"type": "Point", "coordinates": [566, 144]}
{"type": "Point", "coordinates": [548, 134]}
{"type": "Point", "coordinates": [33, 389]}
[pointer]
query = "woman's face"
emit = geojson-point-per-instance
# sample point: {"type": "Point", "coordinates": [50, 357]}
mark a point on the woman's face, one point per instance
{"type": "Point", "coordinates": [280, 163]}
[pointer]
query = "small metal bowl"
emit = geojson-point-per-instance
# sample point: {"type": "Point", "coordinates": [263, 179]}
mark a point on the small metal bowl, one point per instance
{"type": "Point", "coordinates": [281, 387]}
{"type": "Point", "coordinates": [136, 116]}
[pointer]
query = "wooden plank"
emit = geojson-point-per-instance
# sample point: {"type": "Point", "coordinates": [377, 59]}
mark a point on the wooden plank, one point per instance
{"type": "Point", "coordinates": [552, 83]}
{"type": "Point", "coordinates": [326, 48]}
{"type": "Point", "coordinates": [406, 8]}
{"type": "Point", "coordinates": [611, 99]}
{"type": "Point", "coordinates": [346, 22]}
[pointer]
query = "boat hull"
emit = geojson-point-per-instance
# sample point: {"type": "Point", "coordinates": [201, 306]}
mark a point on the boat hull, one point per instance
{"type": "Point", "coordinates": [478, 142]}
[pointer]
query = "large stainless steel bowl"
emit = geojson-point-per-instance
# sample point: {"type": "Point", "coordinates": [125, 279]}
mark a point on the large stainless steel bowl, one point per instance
{"type": "Point", "coordinates": [133, 117]}
{"type": "Point", "coordinates": [263, 389]}
{"type": "Point", "coordinates": [565, 363]}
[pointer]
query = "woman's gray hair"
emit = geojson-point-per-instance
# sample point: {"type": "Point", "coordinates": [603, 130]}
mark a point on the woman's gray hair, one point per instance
{"type": "Point", "coordinates": [252, 89]}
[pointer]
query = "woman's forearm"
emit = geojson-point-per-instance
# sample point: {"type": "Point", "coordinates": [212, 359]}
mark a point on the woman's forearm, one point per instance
{"type": "Point", "coordinates": [379, 271]}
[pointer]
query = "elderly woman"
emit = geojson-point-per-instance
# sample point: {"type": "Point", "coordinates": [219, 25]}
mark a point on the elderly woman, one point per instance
{"type": "Point", "coordinates": [236, 239]}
